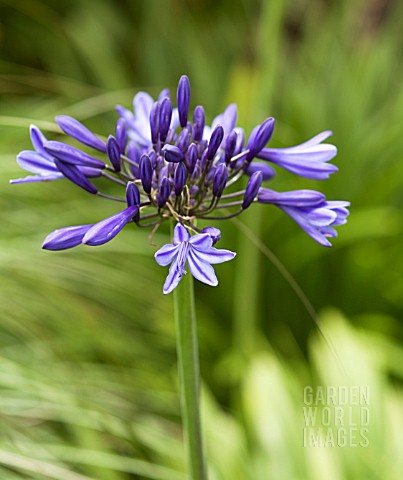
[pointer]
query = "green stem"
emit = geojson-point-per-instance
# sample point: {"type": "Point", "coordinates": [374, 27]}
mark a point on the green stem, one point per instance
{"type": "Point", "coordinates": [189, 375]}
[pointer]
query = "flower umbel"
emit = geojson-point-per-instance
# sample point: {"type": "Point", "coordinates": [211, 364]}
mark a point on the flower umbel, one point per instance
{"type": "Point", "coordinates": [175, 167]}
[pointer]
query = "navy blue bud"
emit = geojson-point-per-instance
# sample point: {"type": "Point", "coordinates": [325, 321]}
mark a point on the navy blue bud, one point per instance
{"type": "Point", "coordinates": [73, 173]}
{"type": "Point", "coordinates": [155, 121]}
{"type": "Point", "coordinates": [215, 141]}
{"type": "Point", "coordinates": [146, 173]}
{"type": "Point", "coordinates": [199, 120]}
{"type": "Point", "coordinates": [164, 192]}
{"type": "Point", "coordinates": [220, 180]}
{"type": "Point", "coordinates": [172, 153]}
{"type": "Point", "coordinates": [230, 145]}
{"type": "Point", "coordinates": [252, 188]}
{"type": "Point", "coordinates": [165, 117]}
{"type": "Point", "coordinates": [183, 141]}
{"type": "Point", "coordinates": [183, 97]}
{"type": "Point", "coordinates": [214, 233]}
{"type": "Point", "coordinates": [113, 151]}
{"type": "Point", "coordinates": [180, 178]}
{"type": "Point", "coordinates": [121, 134]}
{"type": "Point", "coordinates": [132, 194]}
{"type": "Point", "coordinates": [201, 147]}
{"type": "Point", "coordinates": [260, 138]}
{"type": "Point", "coordinates": [191, 157]}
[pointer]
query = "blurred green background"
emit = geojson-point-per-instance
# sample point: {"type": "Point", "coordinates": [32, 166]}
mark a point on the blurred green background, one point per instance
{"type": "Point", "coordinates": [88, 384]}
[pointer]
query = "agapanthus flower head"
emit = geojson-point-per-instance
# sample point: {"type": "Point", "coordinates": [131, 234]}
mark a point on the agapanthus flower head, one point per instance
{"type": "Point", "coordinates": [176, 168]}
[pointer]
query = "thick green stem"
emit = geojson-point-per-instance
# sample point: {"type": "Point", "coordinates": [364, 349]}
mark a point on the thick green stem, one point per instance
{"type": "Point", "coordinates": [189, 375]}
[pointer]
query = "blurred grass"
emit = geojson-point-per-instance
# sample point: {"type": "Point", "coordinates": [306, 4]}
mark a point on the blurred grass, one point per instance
{"type": "Point", "coordinates": [87, 351]}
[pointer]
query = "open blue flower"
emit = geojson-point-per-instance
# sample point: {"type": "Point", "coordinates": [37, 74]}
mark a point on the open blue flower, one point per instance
{"type": "Point", "coordinates": [197, 251]}
{"type": "Point", "coordinates": [310, 210]}
{"type": "Point", "coordinates": [308, 159]}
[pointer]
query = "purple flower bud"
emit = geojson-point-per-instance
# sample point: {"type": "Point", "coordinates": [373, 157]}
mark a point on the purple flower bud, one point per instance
{"type": "Point", "coordinates": [220, 180]}
{"type": "Point", "coordinates": [191, 157]}
{"type": "Point", "coordinates": [215, 141]}
{"type": "Point", "coordinates": [164, 192]}
{"type": "Point", "coordinates": [196, 172]}
{"type": "Point", "coordinates": [172, 153]}
{"type": "Point", "coordinates": [183, 97]}
{"type": "Point", "coordinates": [73, 173]}
{"type": "Point", "coordinates": [180, 178]}
{"type": "Point", "coordinates": [230, 145]}
{"type": "Point", "coordinates": [163, 94]}
{"type": "Point", "coordinates": [121, 134]}
{"type": "Point", "coordinates": [165, 117]}
{"type": "Point", "coordinates": [214, 233]}
{"type": "Point", "coordinates": [198, 123]}
{"type": "Point", "coordinates": [153, 158]}
{"type": "Point", "coordinates": [76, 129]}
{"type": "Point", "coordinates": [146, 173]}
{"type": "Point", "coordinates": [210, 175]}
{"type": "Point", "coordinates": [113, 151]}
{"type": "Point", "coordinates": [260, 138]}
{"type": "Point", "coordinates": [64, 238]}
{"type": "Point", "coordinates": [189, 128]}
{"type": "Point", "coordinates": [155, 122]}
{"type": "Point", "coordinates": [132, 194]}
{"type": "Point", "coordinates": [252, 188]}
{"type": "Point", "coordinates": [183, 141]}
{"type": "Point", "coordinates": [69, 154]}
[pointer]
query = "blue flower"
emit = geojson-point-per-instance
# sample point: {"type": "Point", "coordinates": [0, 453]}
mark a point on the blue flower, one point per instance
{"type": "Point", "coordinates": [46, 166]}
{"type": "Point", "coordinates": [310, 210]}
{"type": "Point", "coordinates": [197, 251]}
{"type": "Point", "coordinates": [307, 159]}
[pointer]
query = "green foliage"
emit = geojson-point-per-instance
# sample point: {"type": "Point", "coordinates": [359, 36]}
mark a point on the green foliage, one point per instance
{"type": "Point", "coordinates": [87, 344]}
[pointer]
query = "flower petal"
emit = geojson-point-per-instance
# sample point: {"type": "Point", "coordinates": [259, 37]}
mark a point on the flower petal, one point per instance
{"type": "Point", "coordinates": [201, 241]}
{"type": "Point", "coordinates": [180, 234]}
{"type": "Point", "coordinates": [293, 198]}
{"type": "Point", "coordinates": [107, 229]}
{"type": "Point", "coordinates": [69, 154]}
{"type": "Point", "coordinates": [35, 162]}
{"type": "Point", "coordinates": [38, 178]}
{"type": "Point", "coordinates": [214, 255]}
{"type": "Point", "coordinates": [165, 255]}
{"type": "Point", "coordinates": [74, 174]}
{"type": "Point", "coordinates": [174, 277]}
{"type": "Point", "coordinates": [64, 238]}
{"type": "Point", "coordinates": [201, 270]}
{"type": "Point", "coordinates": [304, 222]}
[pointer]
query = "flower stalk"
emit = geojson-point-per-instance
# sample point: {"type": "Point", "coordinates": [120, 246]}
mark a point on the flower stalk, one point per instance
{"type": "Point", "coordinates": [189, 375]}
